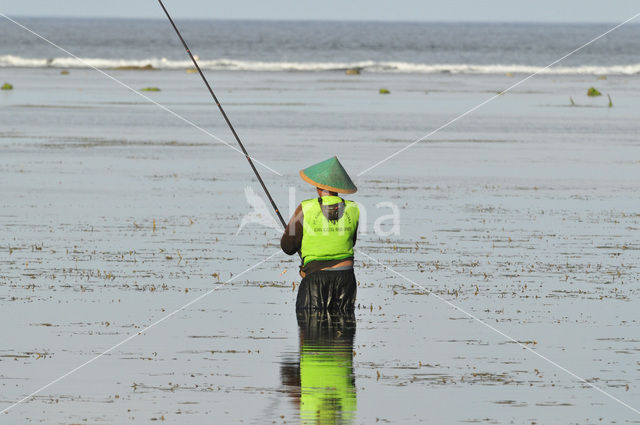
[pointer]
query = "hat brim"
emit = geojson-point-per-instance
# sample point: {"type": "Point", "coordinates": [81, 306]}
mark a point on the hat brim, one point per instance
{"type": "Point", "coordinates": [324, 186]}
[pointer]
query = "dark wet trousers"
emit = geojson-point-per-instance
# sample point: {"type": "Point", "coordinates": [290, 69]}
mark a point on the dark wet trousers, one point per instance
{"type": "Point", "coordinates": [332, 291]}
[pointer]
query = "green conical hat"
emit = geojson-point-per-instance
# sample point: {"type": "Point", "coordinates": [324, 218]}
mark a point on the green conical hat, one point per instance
{"type": "Point", "coordinates": [329, 175]}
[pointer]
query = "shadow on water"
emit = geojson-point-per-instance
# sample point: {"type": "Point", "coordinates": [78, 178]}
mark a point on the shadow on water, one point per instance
{"type": "Point", "coordinates": [321, 380]}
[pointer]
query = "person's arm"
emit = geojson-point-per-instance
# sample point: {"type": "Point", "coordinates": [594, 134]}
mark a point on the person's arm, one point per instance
{"type": "Point", "coordinates": [355, 235]}
{"type": "Point", "coordinates": [291, 240]}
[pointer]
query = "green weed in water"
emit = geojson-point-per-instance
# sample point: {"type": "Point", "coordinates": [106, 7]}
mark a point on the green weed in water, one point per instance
{"type": "Point", "coordinates": [150, 89]}
{"type": "Point", "coordinates": [384, 91]}
{"type": "Point", "coordinates": [593, 92]}
{"type": "Point", "coordinates": [6, 86]}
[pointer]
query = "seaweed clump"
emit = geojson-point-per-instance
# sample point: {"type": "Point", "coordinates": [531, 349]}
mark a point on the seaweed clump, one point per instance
{"type": "Point", "coordinates": [150, 89]}
{"type": "Point", "coordinates": [384, 91]}
{"type": "Point", "coordinates": [593, 92]}
{"type": "Point", "coordinates": [6, 86]}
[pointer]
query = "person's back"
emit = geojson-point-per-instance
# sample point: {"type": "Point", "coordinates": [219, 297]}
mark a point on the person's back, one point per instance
{"type": "Point", "coordinates": [323, 230]}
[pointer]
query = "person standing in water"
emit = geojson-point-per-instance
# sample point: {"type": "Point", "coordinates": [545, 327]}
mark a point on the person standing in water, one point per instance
{"type": "Point", "coordinates": [323, 230]}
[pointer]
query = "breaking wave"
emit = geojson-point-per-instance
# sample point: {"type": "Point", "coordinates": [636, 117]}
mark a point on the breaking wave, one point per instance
{"type": "Point", "coordinates": [9, 61]}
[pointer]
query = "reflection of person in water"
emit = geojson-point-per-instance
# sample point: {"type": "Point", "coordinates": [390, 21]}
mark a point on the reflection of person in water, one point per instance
{"type": "Point", "coordinates": [322, 381]}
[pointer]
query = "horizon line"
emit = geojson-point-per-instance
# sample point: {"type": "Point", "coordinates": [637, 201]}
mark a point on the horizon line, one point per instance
{"type": "Point", "coordinates": [324, 20]}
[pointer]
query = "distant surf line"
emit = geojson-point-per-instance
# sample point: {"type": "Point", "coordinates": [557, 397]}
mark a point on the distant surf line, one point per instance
{"type": "Point", "coordinates": [11, 61]}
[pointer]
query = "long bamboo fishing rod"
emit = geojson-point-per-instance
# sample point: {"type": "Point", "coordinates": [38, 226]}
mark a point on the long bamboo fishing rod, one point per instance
{"type": "Point", "coordinates": [233, 130]}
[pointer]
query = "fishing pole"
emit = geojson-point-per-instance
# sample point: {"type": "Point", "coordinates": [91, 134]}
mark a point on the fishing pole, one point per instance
{"type": "Point", "coordinates": [233, 130]}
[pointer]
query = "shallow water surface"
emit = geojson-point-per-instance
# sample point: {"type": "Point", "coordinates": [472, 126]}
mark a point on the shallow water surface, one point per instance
{"type": "Point", "coordinates": [115, 214]}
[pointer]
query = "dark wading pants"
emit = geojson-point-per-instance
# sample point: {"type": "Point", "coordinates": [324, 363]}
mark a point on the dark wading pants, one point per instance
{"type": "Point", "coordinates": [333, 291]}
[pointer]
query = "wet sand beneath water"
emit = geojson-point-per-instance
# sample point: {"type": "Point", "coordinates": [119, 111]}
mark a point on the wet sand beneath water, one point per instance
{"type": "Point", "coordinates": [114, 214]}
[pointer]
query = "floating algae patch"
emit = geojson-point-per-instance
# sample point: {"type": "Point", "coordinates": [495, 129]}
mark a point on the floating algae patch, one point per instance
{"type": "Point", "coordinates": [6, 86]}
{"type": "Point", "coordinates": [55, 106]}
{"type": "Point", "coordinates": [90, 142]}
{"type": "Point", "coordinates": [384, 91]}
{"type": "Point", "coordinates": [593, 92]}
{"type": "Point", "coordinates": [150, 89]}
{"type": "Point", "coordinates": [64, 72]}
{"type": "Point", "coordinates": [510, 403]}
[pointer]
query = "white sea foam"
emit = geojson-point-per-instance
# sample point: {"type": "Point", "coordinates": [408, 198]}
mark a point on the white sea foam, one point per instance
{"type": "Point", "coordinates": [9, 61]}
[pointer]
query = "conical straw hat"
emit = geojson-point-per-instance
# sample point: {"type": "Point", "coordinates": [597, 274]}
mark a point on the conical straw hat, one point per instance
{"type": "Point", "coordinates": [329, 175]}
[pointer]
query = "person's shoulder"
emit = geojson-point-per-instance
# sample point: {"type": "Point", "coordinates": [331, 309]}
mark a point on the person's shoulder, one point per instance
{"type": "Point", "coordinates": [298, 210]}
{"type": "Point", "coordinates": [352, 208]}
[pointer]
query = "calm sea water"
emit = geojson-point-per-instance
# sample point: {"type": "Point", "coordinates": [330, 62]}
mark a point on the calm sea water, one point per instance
{"type": "Point", "coordinates": [115, 213]}
{"type": "Point", "coordinates": [314, 46]}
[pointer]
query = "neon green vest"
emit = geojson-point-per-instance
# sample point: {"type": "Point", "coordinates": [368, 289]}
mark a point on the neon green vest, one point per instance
{"type": "Point", "coordinates": [325, 240]}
